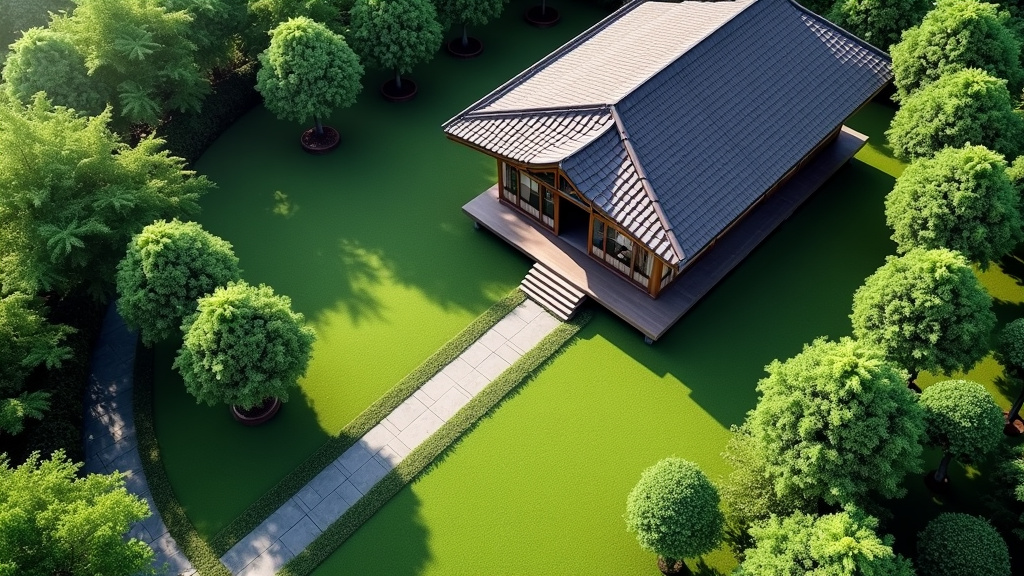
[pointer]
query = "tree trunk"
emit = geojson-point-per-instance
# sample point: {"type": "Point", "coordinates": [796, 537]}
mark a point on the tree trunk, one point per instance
{"type": "Point", "coordinates": [543, 6]}
{"type": "Point", "coordinates": [1014, 412]}
{"type": "Point", "coordinates": [398, 80]}
{"type": "Point", "coordinates": [943, 470]}
{"type": "Point", "coordinates": [319, 126]}
{"type": "Point", "coordinates": [465, 37]}
{"type": "Point", "coordinates": [912, 381]}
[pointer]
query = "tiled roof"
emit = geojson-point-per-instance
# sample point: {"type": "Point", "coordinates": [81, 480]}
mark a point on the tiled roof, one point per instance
{"type": "Point", "coordinates": [673, 118]}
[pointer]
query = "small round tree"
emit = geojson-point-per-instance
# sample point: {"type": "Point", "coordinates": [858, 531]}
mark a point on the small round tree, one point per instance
{"type": "Point", "coordinates": [836, 424]}
{"type": "Point", "coordinates": [395, 35]}
{"type": "Point", "coordinates": [1010, 354]}
{"type": "Point", "coordinates": [168, 266]}
{"type": "Point", "coordinates": [960, 108]}
{"type": "Point", "coordinates": [961, 199]}
{"type": "Point", "coordinates": [880, 22]}
{"type": "Point", "coordinates": [926, 311]}
{"type": "Point", "coordinates": [956, 35]}
{"type": "Point", "coordinates": [307, 72]}
{"type": "Point", "coordinates": [955, 544]}
{"type": "Point", "coordinates": [243, 346]}
{"type": "Point", "coordinates": [963, 420]}
{"type": "Point", "coordinates": [466, 13]}
{"type": "Point", "coordinates": [842, 543]}
{"type": "Point", "coordinates": [673, 510]}
{"type": "Point", "coordinates": [46, 61]}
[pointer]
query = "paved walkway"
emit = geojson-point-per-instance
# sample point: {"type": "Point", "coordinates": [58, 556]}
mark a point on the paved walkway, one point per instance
{"type": "Point", "coordinates": [109, 430]}
{"type": "Point", "coordinates": [303, 517]}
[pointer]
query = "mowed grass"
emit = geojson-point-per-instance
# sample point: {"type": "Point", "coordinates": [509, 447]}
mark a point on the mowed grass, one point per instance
{"type": "Point", "coordinates": [540, 486]}
{"type": "Point", "coordinates": [371, 245]}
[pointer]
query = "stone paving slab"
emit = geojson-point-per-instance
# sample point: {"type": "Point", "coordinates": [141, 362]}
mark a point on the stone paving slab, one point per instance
{"type": "Point", "coordinates": [109, 435]}
{"type": "Point", "coordinates": [267, 548]}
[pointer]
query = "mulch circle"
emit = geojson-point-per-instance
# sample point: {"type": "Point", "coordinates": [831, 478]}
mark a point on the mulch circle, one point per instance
{"type": "Point", "coordinates": [389, 90]}
{"type": "Point", "coordinates": [320, 143]}
{"type": "Point", "coordinates": [678, 568]}
{"type": "Point", "coordinates": [1015, 428]}
{"type": "Point", "coordinates": [259, 414]}
{"type": "Point", "coordinates": [542, 17]}
{"type": "Point", "coordinates": [472, 49]}
{"type": "Point", "coordinates": [937, 487]}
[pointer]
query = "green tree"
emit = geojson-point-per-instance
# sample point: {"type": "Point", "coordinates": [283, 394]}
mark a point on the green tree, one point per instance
{"type": "Point", "coordinates": [954, 36]}
{"type": "Point", "coordinates": [27, 340]}
{"type": "Point", "coordinates": [841, 544]}
{"type": "Point", "coordinates": [72, 195]}
{"type": "Point", "coordinates": [17, 16]}
{"type": "Point", "coordinates": [243, 344]}
{"type": "Point", "coordinates": [926, 310]}
{"type": "Point", "coordinates": [960, 108]}
{"type": "Point", "coordinates": [961, 199]}
{"type": "Point", "coordinates": [1010, 353]}
{"type": "Point", "coordinates": [264, 15]}
{"type": "Point", "coordinates": [307, 72]}
{"type": "Point", "coordinates": [168, 266]}
{"type": "Point", "coordinates": [141, 52]}
{"type": "Point", "coordinates": [46, 61]}
{"type": "Point", "coordinates": [395, 34]}
{"type": "Point", "coordinates": [963, 420]}
{"type": "Point", "coordinates": [673, 510]}
{"type": "Point", "coordinates": [955, 544]}
{"type": "Point", "coordinates": [215, 26]}
{"type": "Point", "coordinates": [53, 522]}
{"type": "Point", "coordinates": [835, 424]}
{"type": "Point", "coordinates": [468, 13]}
{"type": "Point", "coordinates": [880, 22]}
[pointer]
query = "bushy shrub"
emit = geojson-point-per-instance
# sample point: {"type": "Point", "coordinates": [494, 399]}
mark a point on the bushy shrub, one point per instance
{"type": "Point", "coordinates": [961, 199]}
{"type": "Point", "coordinates": [965, 107]}
{"type": "Point", "coordinates": [46, 61]}
{"type": "Point", "coordinates": [880, 22]}
{"type": "Point", "coordinates": [955, 544]}
{"type": "Point", "coordinates": [395, 35]}
{"type": "Point", "coordinates": [962, 419]}
{"type": "Point", "coordinates": [167, 267]}
{"type": "Point", "coordinates": [673, 510]}
{"type": "Point", "coordinates": [243, 344]}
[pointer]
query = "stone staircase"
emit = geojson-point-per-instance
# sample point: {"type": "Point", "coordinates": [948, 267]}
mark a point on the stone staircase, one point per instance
{"type": "Point", "coordinates": [553, 293]}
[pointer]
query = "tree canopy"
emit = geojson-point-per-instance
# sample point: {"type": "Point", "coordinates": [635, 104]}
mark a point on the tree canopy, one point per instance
{"type": "Point", "coordinates": [243, 344]}
{"type": "Point", "coordinates": [17, 16]}
{"type": "Point", "coordinates": [168, 266]}
{"type": "Point", "coordinates": [961, 199]}
{"type": "Point", "coordinates": [214, 27]}
{"type": "Point", "coordinates": [673, 510]}
{"type": "Point", "coordinates": [395, 34]}
{"type": "Point", "coordinates": [926, 311]}
{"type": "Point", "coordinates": [53, 522]}
{"type": "Point", "coordinates": [962, 419]}
{"type": "Point", "coordinates": [307, 71]}
{"type": "Point", "coordinates": [141, 52]}
{"type": "Point", "coordinates": [468, 12]}
{"type": "Point", "coordinates": [955, 544]}
{"type": "Point", "coordinates": [841, 544]}
{"type": "Point", "coordinates": [880, 22]}
{"type": "Point", "coordinates": [836, 423]}
{"type": "Point", "coordinates": [1010, 351]}
{"type": "Point", "coordinates": [965, 107]}
{"type": "Point", "coordinates": [954, 36]}
{"type": "Point", "coordinates": [71, 195]}
{"type": "Point", "coordinates": [48, 61]}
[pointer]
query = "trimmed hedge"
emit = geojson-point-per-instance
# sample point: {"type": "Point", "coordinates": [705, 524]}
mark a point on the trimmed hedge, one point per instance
{"type": "Point", "coordinates": [203, 558]}
{"type": "Point", "coordinates": [360, 425]}
{"type": "Point", "coordinates": [434, 449]}
{"type": "Point", "coordinates": [189, 134]}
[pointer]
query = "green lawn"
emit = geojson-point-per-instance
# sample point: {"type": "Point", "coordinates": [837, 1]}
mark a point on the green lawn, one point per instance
{"type": "Point", "coordinates": [540, 486]}
{"type": "Point", "coordinates": [371, 245]}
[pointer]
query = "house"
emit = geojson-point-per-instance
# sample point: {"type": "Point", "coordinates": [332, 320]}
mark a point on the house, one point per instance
{"type": "Point", "coordinates": [633, 152]}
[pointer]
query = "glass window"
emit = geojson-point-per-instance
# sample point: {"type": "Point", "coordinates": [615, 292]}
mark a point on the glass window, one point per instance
{"type": "Point", "coordinates": [529, 195]}
{"type": "Point", "coordinates": [597, 235]}
{"type": "Point", "coordinates": [548, 207]}
{"type": "Point", "coordinates": [643, 263]}
{"type": "Point", "coordinates": [618, 251]}
{"type": "Point", "coordinates": [566, 188]}
{"type": "Point", "coordinates": [548, 177]}
{"type": "Point", "coordinates": [511, 182]}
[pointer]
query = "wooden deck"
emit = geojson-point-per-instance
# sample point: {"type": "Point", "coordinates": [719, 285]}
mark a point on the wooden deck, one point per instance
{"type": "Point", "coordinates": [653, 317]}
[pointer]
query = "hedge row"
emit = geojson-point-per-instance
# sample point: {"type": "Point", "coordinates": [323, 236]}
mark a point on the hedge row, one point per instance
{"type": "Point", "coordinates": [434, 449]}
{"type": "Point", "coordinates": [333, 448]}
{"type": "Point", "coordinates": [203, 558]}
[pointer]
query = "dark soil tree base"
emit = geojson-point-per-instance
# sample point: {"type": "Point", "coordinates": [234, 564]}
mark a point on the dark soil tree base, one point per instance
{"type": "Point", "coordinates": [679, 567]}
{"type": "Point", "coordinates": [391, 92]}
{"type": "Point", "coordinates": [542, 16]}
{"type": "Point", "coordinates": [320, 143]}
{"type": "Point", "coordinates": [1013, 428]}
{"type": "Point", "coordinates": [471, 49]}
{"type": "Point", "coordinates": [935, 485]}
{"type": "Point", "coordinates": [257, 415]}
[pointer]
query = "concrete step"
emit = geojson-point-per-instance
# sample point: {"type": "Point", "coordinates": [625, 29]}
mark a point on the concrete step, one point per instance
{"type": "Point", "coordinates": [552, 292]}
